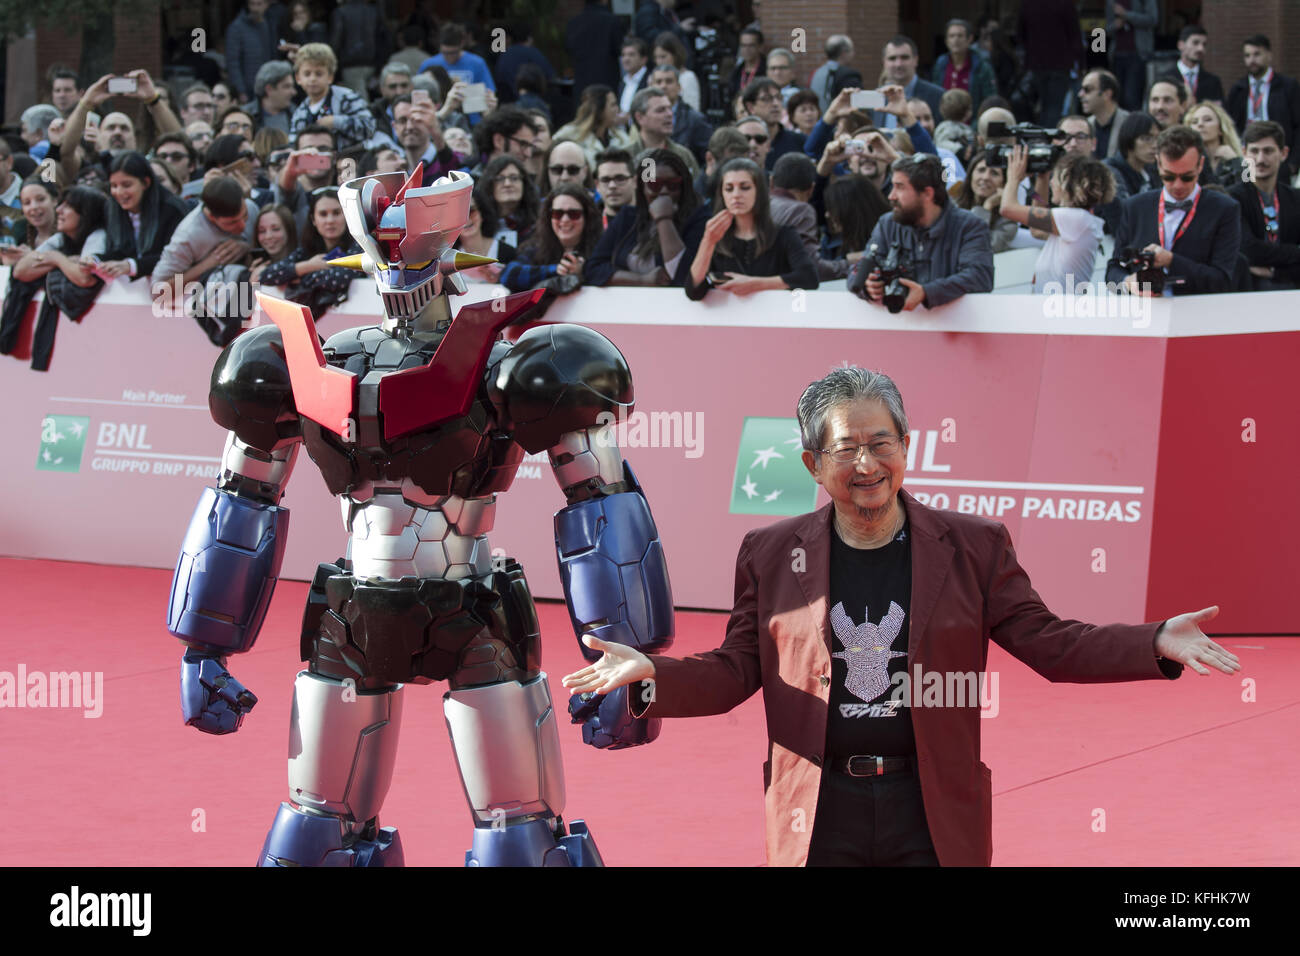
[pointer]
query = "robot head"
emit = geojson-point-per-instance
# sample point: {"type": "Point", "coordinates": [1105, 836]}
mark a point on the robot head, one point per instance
{"type": "Point", "coordinates": [406, 233]}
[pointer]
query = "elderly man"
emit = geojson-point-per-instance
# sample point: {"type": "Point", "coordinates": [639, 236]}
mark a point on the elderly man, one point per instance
{"type": "Point", "coordinates": [273, 92]}
{"type": "Point", "coordinates": [34, 127]}
{"type": "Point", "coordinates": [949, 246]}
{"type": "Point", "coordinates": [394, 81]}
{"type": "Point", "coordinates": [880, 780]}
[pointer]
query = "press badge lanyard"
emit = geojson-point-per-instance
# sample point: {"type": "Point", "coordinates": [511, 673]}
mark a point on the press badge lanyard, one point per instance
{"type": "Point", "coordinates": [1276, 217]}
{"type": "Point", "coordinates": [1187, 220]}
{"type": "Point", "coordinates": [1257, 98]}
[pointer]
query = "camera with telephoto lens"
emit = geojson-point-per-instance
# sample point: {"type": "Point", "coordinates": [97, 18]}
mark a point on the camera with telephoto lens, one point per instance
{"type": "Point", "coordinates": [895, 265]}
{"type": "Point", "coordinates": [1043, 153]}
{"type": "Point", "coordinates": [1142, 262]}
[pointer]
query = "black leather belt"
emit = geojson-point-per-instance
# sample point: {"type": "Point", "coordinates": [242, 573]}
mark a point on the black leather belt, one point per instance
{"type": "Point", "coordinates": [864, 765]}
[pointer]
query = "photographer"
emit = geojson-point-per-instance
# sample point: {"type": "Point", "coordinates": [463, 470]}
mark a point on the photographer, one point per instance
{"type": "Point", "coordinates": [1190, 235]}
{"type": "Point", "coordinates": [1078, 183]}
{"type": "Point", "coordinates": [947, 247]}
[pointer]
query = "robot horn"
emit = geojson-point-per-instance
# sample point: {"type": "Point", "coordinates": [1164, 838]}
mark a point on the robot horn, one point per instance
{"type": "Point", "coordinates": [468, 260]}
{"type": "Point", "coordinates": [415, 179]}
{"type": "Point", "coordinates": [357, 261]}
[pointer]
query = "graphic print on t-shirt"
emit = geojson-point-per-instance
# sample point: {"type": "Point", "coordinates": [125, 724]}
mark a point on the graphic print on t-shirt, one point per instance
{"type": "Point", "coordinates": [867, 649]}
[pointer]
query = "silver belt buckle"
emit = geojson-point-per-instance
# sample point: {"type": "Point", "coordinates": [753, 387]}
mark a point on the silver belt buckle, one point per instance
{"type": "Point", "coordinates": [879, 771]}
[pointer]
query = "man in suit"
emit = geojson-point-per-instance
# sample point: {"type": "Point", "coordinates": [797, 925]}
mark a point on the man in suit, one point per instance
{"type": "Point", "coordinates": [690, 128]}
{"type": "Point", "coordinates": [860, 772]}
{"type": "Point", "coordinates": [1194, 233]}
{"type": "Point", "coordinates": [1264, 94]}
{"type": "Point", "coordinates": [1270, 211]}
{"type": "Point", "coordinates": [633, 60]}
{"type": "Point", "coordinates": [1203, 85]}
{"type": "Point", "coordinates": [900, 58]}
{"type": "Point", "coordinates": [1099, 101]}
{"type": "Point", "coordinates": [593, 40]}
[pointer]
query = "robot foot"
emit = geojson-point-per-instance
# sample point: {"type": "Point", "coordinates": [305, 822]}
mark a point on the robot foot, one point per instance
{"type": "Point", "coordinates": [534, 843]}
{"type": "Point", "coordinates": [299, 838]}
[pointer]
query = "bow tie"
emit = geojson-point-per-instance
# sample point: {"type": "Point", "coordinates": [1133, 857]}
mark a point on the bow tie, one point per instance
{"type": "Point", "coordinates": [1183, 205]}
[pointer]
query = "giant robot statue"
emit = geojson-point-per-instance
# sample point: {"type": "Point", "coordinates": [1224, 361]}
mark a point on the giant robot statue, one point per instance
{"type": "Point", "coordinates": [417, 424]}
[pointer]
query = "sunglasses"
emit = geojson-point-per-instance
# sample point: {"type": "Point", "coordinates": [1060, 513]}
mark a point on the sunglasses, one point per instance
{"type": "Point", "coordinates": [573, 214]}
{"type": "Point", "coordinates": [1181, 177]}
{"type": "Point", "coordinates": [565, 170]}
{"type": "Point", "coordinates": [756, 138]}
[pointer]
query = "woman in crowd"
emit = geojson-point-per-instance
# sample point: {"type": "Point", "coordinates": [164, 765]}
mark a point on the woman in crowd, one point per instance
{"type": "Point", "coordinates": [1133, 164]}
{"type": "Point", "coordinates": [743, 251]}
{"type": "Point", "coordinates": [853, 205]}
{"type": "Point", "coordinates": [805, 110]}
{"type": "Point", "coordinates": [594, 128]}
{"type": "Point", "coordinates": [1079, 182]}
{"type": "Point", "coordinates": [506, 185]}
{"type": "Point", "coordinates": [299, 28]}
{"type": "Point", "coordinates": [305, 274]}
{"type": "Point", "coordinates": [142, 216]}
{"type": "Point", "coordinates": [166, 178]}
{"type": "Point", "coordinates": [653, 240]}
{"type": "Point", "coordinates": [277, 236]}
{"type": "Point", "coordinates": [981, 193]}
{"type": "Point", "coordinates": [1223, 150]}
{"type": "Point", "coordinates": [480, 237]}
{"type": "Point", "coordinates": [38, 198]}
{"type": "Point", "coordinates": [566, 234]}
{"type": "Point", "coordinates": [670, 51]}
{"type": "Point", "coordinates": [73, 252]}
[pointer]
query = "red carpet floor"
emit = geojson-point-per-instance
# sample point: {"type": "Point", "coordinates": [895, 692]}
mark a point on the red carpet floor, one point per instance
{"type": "Point", "coordinates": [1185, 773]}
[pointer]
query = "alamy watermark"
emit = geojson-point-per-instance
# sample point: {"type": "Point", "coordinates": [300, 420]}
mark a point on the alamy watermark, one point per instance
{"type": "Point", "coordinates": [63, 689]}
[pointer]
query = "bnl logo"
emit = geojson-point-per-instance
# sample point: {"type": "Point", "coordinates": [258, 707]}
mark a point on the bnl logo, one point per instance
{"type": "Point", "coordinates": [62, 439]}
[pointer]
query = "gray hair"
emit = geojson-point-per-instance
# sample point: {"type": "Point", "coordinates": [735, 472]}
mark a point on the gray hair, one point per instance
{"type": "Point", "coordinates": [39, 117]}
{"type": "Point", "coordinates": [641, 102]}
{"type": "Point", "coordinates": [750, 118]}
{"type": "Point", "coordinates": [394, 66]}
{"type": "Point", "coordinates": [426, 82]}
{"type": "Point", "coordinates": [667, 68]}
{"type": "Point", "coordinates": [845, 384]}
{"type": "Point", "coordinates": [837, 45]}
{"type": "Point", "coordinates": [781, 51]}
{"type": "Point", "coordinates": [269, 74]}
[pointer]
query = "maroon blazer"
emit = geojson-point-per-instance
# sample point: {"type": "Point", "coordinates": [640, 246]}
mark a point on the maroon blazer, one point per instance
{"type": "Point", "coordinates": [967, 587]}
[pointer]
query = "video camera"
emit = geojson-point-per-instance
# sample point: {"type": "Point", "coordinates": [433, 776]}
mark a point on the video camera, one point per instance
{"type": "Point", "coordinates": [895, 265]}
{"type": "Point", "coordinates": [1043, 153]}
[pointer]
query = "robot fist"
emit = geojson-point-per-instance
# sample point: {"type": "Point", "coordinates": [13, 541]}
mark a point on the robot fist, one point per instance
{"type": "Point", "coordinates": [608, 724]}
{"type": "Point", "coordinates": [211, 699]}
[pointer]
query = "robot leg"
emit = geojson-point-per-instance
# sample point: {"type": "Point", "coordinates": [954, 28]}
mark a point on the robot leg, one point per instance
{"type": "Point", "coordinates": [342, 746]}
{"type": "Point", "coordinates": [507, 746]}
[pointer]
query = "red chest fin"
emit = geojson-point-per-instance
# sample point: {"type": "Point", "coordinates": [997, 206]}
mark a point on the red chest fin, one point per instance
{"type": "Point", "coordinates": [325, 394]}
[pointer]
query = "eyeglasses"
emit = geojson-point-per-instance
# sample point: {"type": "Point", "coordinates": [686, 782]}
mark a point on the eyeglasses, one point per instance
{"type": "Point", "coordinates": [573, 214]}
{"type": "Point", "coordinates": [756, 138]}
{"type": "Point", "coordinates": [880, 448]}
{"type": "Point", "coordinates": [510, 178]}
{"type": "Point", "coordinates": [530, 149]}
{"type": "Point", "coordinates": [618, 180]}
{"type": "Point", "coordinates": [173, 157]}
{"type": "Point", "coordinates": [1181, 177]}
{"type": "Point", "coordinates": [560, 169]}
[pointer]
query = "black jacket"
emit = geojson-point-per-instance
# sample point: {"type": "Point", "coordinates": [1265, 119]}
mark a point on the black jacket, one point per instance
{"type": "Point", "coordinates": [593, 40]}
{"type": "Point", "coordinates": [1283, 255]}
{"type": "Point", "coordinates": [122, 243]}
{"type": "Point", "coordinates": [1205, 256]}
{"type": "Point", "coordinates": [786, 257]}
{"type": "Point", "coordinates": [1283, 107]}
{"type": "Point", "coordinates": [619, 239]}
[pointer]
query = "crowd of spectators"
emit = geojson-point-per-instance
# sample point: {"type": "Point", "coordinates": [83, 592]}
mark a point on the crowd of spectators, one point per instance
{"type": "Point", "coordinates": [687, 155]}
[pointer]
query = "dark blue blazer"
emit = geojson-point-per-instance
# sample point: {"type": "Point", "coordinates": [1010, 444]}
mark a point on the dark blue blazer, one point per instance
{"type": "Point", "coordinates": [1206, 254]}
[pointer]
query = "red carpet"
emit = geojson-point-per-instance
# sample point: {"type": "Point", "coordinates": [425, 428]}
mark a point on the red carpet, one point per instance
{"type": "Point", "coordinates": [1185, 773]}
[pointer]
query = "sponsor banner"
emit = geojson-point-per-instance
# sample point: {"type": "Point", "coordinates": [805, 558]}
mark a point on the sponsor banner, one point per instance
{"type": "Point", "coordinates": [1056, 436]}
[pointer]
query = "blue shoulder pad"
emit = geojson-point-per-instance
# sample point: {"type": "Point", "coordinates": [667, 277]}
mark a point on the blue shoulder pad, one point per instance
{"type": "Point", "coordinates": [226, 572]}
{"type": "Point", "coordinates": [614, 573]}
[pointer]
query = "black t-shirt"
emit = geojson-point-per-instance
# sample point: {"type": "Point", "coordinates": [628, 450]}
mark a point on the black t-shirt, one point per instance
{"type": "Point", "coordinates": [870, 598]}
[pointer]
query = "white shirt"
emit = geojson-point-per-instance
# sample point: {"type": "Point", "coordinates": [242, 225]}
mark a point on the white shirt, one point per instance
{"type": "Point", "coordinates": [1265, 83]}
{"type": "Point", "coordinates": [630, 83]}
{"type": "Point", "coordinates": [1071, 253]}
{"type": "Point", "coordinates": [1173, 219]}
{"type": "Point", "coordinates": [1190, 74]}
